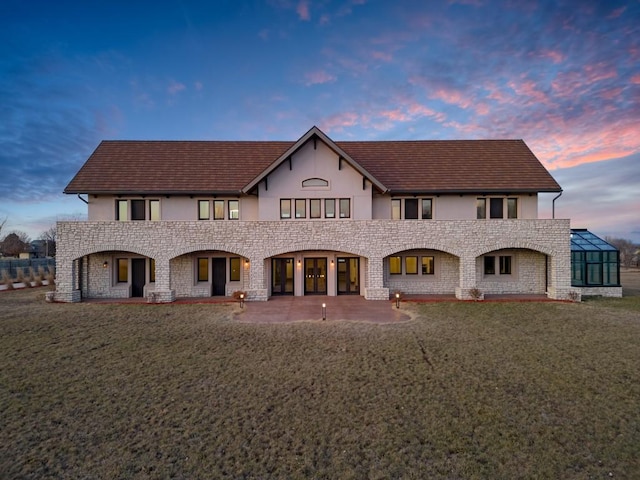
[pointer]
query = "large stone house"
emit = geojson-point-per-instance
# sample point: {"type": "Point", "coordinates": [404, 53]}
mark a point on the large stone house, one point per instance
{"type": "Point", "coordinates": [170, 219]}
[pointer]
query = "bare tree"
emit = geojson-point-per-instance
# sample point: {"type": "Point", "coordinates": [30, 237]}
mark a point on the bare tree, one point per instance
{"type": "Point", "coordinates": [626, 247]}
{"type": "Point", "coordinates": [49, 238]}
{"type": "Point", "coordinates": [2, 223]}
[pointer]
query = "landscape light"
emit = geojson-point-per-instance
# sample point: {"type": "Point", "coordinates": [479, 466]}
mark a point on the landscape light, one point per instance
{"type": "Point", "coordinates": [324, 311]}
{"type": "Point", "coordinates": [397, 300]}
{"type": "Point", "coordinates": [242, 300]}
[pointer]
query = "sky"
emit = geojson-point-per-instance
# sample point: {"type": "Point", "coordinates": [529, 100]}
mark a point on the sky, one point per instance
{"type": "Point", "coordinates": [564, 76]}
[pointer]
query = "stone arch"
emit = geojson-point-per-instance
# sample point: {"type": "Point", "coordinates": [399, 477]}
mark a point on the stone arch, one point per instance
{"type": "Point", "coordinates": [420, 245]}
{"type": "Point", "coordinates": [323, 245]}
{"type": "Point", "coordinates": [510, 244]}
{"type": "Point", "coordinates": [146, 252]}
{"type": "Point", "coordinates": [227, 248]}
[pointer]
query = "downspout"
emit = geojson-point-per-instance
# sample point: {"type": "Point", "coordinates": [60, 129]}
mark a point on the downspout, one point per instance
{"type": "Point", "coordinates": [88, 202]}
{"type": "Point", "coordinates": [553, 205]}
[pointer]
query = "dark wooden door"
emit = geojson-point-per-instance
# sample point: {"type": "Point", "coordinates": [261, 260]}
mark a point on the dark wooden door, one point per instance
{"type": "Point", "coordinates": [282, 276]}
{"type": "Point", "coordinates": [219, 276]}
{"type": "Point", "coordinates": [138, 277]}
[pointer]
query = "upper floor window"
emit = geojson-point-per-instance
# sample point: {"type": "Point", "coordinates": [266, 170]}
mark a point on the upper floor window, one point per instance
{"type": "Point", "coordinates": [285, 208]}
{"type": "Point", "coordinates": [413, 209]}
{"type": "Point", "coordinates": [314, 208]}
{"type": "Point", "coordinates": [329, 208]}
{"type": "Point", "coordinates": [345, 208]}
{"type": "Point", "coordinates": [315, 182]}
{"type": "Point", "coordinates": [137, 209]}
{"type": "Point", "coordinates": [204, 209]}
{"type": "Point", "coordinates": [301, 208]}
{"type": "Point", "coordinates": [497, 207]}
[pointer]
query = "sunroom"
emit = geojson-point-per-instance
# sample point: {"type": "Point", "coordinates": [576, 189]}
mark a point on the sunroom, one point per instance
{"type": "Point", "coordinates": [595, 265]}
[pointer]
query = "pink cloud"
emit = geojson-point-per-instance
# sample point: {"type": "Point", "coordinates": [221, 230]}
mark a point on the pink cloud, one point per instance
{"type": "Point", "coordinates": [636, 79]}
{"type": "Point", "coordinates": [175, 87]}
{"type": "Point", "coordinates": [318, 77]}
{"type": "Point", "coordinates": [303, 10]}
{"type": "Point", "coordinates": [339, 121]}
{"type": "Point", "coordinates": [387, 57]}
{"type": "Point", "coordinates": [616, 13]}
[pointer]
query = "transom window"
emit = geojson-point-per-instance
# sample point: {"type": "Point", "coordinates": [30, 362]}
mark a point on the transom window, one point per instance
{"type": "Point", "coordinates": [315, 182]}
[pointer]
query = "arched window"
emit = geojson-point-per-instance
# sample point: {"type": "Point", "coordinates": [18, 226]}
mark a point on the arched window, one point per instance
{"type": "Point", "coordinates": [315, 182]}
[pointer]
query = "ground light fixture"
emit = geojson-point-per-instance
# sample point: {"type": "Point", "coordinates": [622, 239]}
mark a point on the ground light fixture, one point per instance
{"type": "Point", "coordinates": [397, 300]}
{"type": "Point", "coordinates": [324, 311]}
{"type": "Point", "coordinates": [242, 300]}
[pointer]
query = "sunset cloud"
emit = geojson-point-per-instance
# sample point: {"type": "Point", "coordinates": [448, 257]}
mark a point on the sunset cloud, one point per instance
{"type": "Point", "coordinates": [303, 10]}
{"type": "Point", "coordinates": [318, 77]}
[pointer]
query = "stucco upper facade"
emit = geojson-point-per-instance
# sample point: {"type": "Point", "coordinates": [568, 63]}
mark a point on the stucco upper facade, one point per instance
{"type": "Point", "coordinates": [312, 216]}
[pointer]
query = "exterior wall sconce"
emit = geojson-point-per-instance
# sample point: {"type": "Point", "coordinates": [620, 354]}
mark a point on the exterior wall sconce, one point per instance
{"type": "Point", "coordinates": [397, 300]}
{"type": "Point", "coordinates": [324, 311]}
{"type": "Point", "coordinates": [331, 262]}
{"type": "Point", "coordinates": [299, 262]}
{"type": "Point", "coordinates": [105, 264]}
{"type": "Point", "coordinates": [242, 300]}
{"type": "Point", "coordinates": [246, 262]}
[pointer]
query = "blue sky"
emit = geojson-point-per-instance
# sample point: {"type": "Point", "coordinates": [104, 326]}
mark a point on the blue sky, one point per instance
{"type": "Point", "coordinates": [563, 76]}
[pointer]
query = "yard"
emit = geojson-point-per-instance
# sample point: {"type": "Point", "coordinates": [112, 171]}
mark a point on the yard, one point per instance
{"type": "Point", "coordinates": [467, 390]}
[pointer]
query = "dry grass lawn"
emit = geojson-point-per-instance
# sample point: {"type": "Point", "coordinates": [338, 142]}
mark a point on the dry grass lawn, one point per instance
{"type": "Point", "coordinates": [467, 390]}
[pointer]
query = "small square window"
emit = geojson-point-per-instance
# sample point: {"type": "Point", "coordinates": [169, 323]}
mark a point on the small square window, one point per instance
{"type": "Point", "coordinates": [218, 209]}
{"type": "Point", "coordinates": [301, 208]}
{"type": "Point", "coordinates": [396, 209]}
{"type": "Point", "coordinates": [411, 265]}
{"type": "Point", "coordinates": [314, 208]}
{"type": "Point", "coordinates": [123, 270]}
{"type": "Point", "coordinates": [411, 208]}
{"type": "Point", "coordinates": [234, 210]}
{"type": "Point", "coordinates": [496, 207]}
{"type": "Point", "coordinates": [395, 265]}
{"type": "Point", "coordinates": [285, 208]}
{"type": "Point", "coordinates": [505, 265]}
{"type": "Point", "coordinates": [137, 209]}
{"type": "Point", "coordinates": [203, 209]}
{"type": "Point", "coordinates": [512, 208]}
{"type": "Point", "coordinates": [329, 208]}
{"type": "Point", "coordinates": [427, 208]}
{"type": "Point", "coordinates": [152, 270]}
{"type": "Point", "coordinates": [154, 210]}
{"type": "Point", "coordinates": [203, 269]}
{"type": "Point", "coordinates": [481, 208]}
{"type": "Point", "coordinates": [121, 210]}
{"type": "Point", "coordinates": [345, 208]}
{"type": "Point", "coordinates": [427, 265]}
{"type": "Point", "coordinates": [234, 269]}
{"type": "Point", "coordinates": [489, 265]}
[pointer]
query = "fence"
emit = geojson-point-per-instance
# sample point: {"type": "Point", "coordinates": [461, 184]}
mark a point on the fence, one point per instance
{"type": "Point", "coordinates": [14, 264]}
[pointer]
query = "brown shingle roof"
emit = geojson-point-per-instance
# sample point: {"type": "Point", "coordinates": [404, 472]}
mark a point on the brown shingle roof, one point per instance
{"type": "Point", "coordinates": [185, 167]}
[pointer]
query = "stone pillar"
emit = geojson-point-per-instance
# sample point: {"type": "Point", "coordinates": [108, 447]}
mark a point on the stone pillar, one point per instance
{"type": "Point", "coordinates": [467, 289]}
{"type": "Point", "coordinates": [257, 290]}
{"type": "Point", "coordinates": [66, 280]}
{"type": "Point", "coordinates": [163, 292]}
{"type": "Point", "coordinates": [375, 289]}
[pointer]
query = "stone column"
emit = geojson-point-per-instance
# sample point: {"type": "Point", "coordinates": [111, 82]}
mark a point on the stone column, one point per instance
{"type": "Point", "coordinates": [257, 290]}
{"type": "Point", "coordinates": [375, 289]}
{"type": "Point", "coordinates": [163, 292]}
{"type": "Point", "coordinates": [65, 280]}
{"type": "Point", "coordinates": [465, 290]}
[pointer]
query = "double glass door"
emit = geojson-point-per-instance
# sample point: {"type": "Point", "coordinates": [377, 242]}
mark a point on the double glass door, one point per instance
{"type": "Point", "coordinates": [315, 276]}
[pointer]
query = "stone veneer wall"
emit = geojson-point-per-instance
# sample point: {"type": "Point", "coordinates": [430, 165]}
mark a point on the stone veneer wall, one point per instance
{"type": "Point", "coordinates": [600, 291]}
{"type": "Point", "coordinates": [444, 280]}
{"type": "Point", "coordinates": [528, 274]}
{"type": "Point", "coordinates": [165, 241]}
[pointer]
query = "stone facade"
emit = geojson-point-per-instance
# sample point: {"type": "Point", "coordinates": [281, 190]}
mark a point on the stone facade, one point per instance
{"type": "Point", "coordinates": [539, 245]}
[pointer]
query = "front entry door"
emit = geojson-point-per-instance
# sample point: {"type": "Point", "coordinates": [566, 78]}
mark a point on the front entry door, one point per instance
{"type": "Point", "coordinates": [138, 277]}
{"type": "Point", "coordinates": [348, 276]}
{"type": "Point", "coordinates": [315, 276]}
{"type": "Point", "coordinates": [282, 276]}
{"type": "Point", "coordinates": [219, 276]}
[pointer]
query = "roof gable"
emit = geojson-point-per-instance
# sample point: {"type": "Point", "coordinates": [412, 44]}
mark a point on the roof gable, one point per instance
{"type": "Point", "coordinates": [313, 134]}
